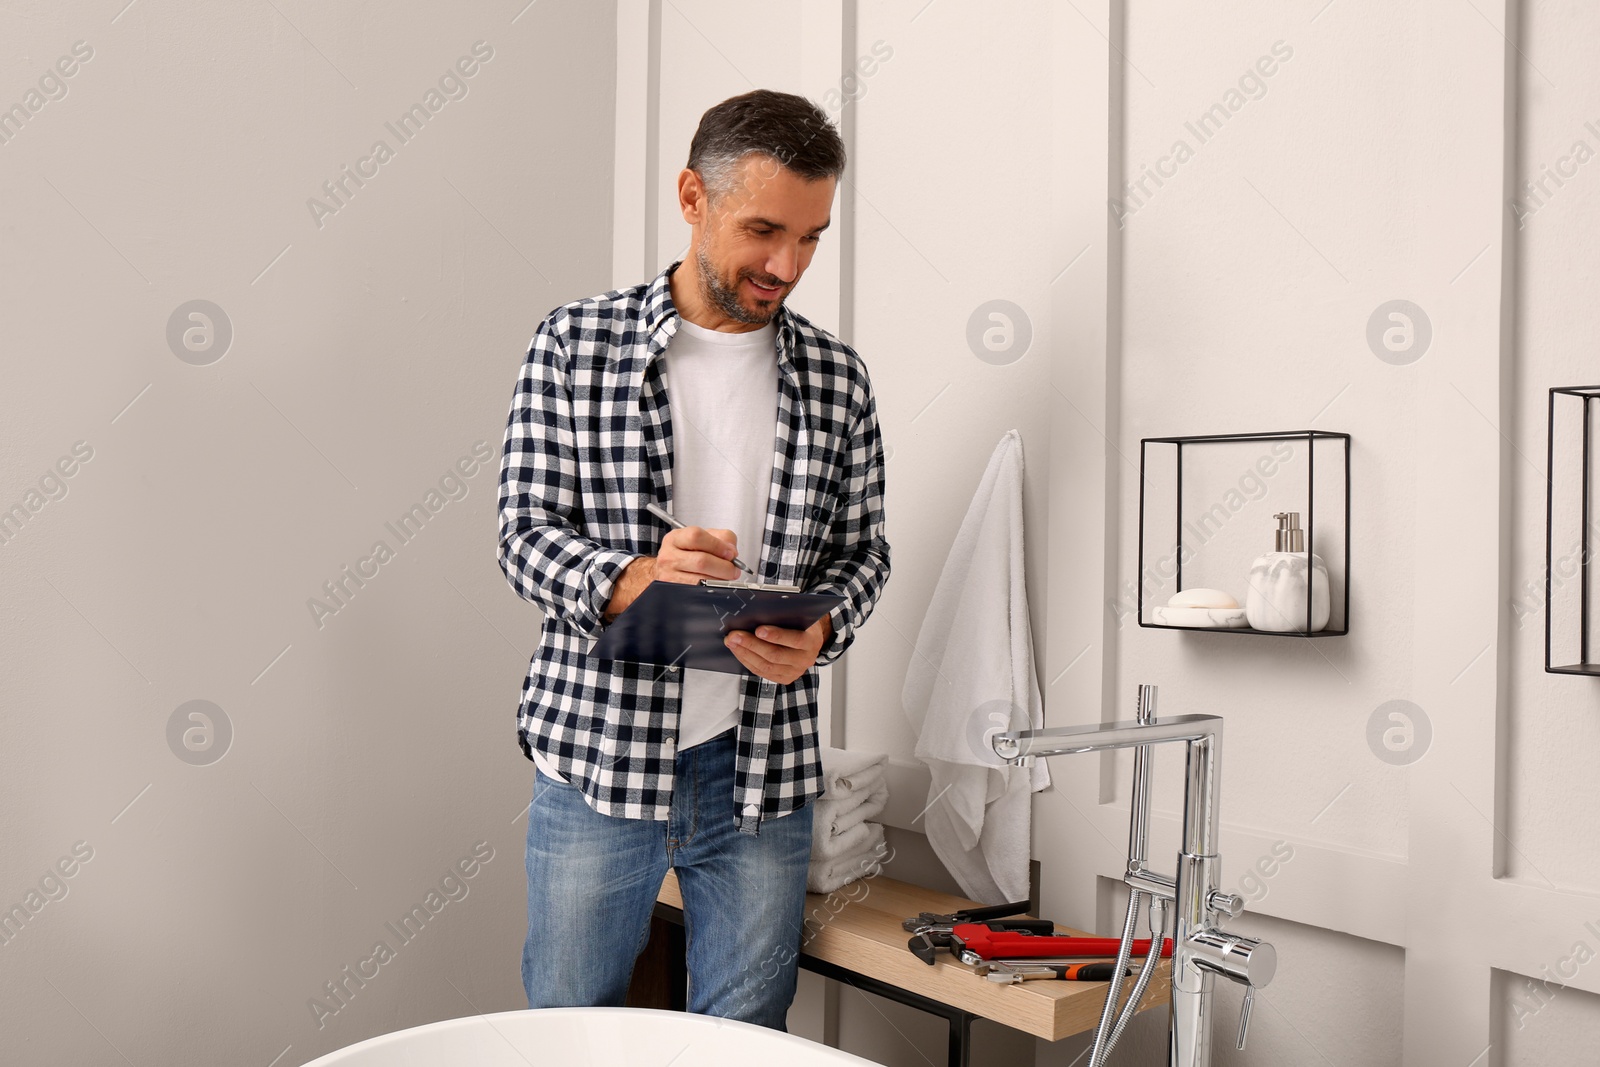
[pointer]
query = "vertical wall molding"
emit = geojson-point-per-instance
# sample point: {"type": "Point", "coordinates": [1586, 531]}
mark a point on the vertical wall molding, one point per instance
{"type": "Point", "coordinates": [1080, 552]}
{"type": "Point", "coordinates": [1506, 416]}
{"type": "Point", "coordinates": [846, 227]}
{"type": "Point", "coordinates": [634, 222]}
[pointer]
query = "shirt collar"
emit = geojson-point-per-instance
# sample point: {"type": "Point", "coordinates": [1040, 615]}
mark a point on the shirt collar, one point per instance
{"type": "Point", "coordinates": [659, 312]}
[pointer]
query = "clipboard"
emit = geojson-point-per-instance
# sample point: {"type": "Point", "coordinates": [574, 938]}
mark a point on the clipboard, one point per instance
{"type": "Point", "coordinates": [679, 625]}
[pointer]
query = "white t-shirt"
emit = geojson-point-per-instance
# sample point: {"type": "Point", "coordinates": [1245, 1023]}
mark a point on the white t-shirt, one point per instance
{"type": "Point", "coordinates": [722, 393]}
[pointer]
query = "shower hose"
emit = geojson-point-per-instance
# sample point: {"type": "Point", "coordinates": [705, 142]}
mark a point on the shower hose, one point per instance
{"type": "Point", "coordinates": [1107, 1033]}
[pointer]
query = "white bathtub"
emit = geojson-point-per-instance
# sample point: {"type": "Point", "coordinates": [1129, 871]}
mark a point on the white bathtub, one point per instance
{"type": "Point", "coordinates": [588, 1037]}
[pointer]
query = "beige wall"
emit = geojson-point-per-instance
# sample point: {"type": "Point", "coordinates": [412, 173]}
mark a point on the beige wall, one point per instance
{"type": "Point", "coordinates": [369, 354]}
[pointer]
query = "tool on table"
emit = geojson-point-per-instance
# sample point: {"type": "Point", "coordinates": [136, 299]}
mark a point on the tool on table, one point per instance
{"type": "Point", "coordinates": [1009, 973]}
{"type": "Point", "coordinates": [930, 939]}
{"type": "Point", "coordinates": [965, 915]}
{"type": "Point", "coordinates": [665, 516]}
{"type": "Point", "coordinates": [974, 942]}
{"type": "Point", "coordinates": [931, 930]}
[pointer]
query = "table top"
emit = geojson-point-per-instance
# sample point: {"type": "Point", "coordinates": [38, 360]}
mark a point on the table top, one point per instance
{"type": "Point", "coordinates": [858, 928]}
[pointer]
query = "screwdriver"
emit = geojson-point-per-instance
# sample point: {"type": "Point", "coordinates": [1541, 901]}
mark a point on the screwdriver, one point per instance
{"type": "Point", "coordinates": [1070, 972]}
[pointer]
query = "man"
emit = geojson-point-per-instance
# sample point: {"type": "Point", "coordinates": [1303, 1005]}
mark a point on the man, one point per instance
{"type": "Point", "coordinates": [702, 392]}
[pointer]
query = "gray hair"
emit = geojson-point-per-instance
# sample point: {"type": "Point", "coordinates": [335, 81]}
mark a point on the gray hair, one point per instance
{"type": "Point", "coordinates": [789, 128]}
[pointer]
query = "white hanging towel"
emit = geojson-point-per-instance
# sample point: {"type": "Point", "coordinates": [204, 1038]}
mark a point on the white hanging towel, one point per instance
{"type": "Point", "coordinates": [971, 677]}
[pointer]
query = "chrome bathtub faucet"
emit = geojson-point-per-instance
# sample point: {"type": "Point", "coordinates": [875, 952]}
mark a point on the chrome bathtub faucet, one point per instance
{"type": "Point", "coordinates": [1200, 949]}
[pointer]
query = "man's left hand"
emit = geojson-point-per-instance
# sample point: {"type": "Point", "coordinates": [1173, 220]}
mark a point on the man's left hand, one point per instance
{"type": "Point", "coordinates": [780, 655]}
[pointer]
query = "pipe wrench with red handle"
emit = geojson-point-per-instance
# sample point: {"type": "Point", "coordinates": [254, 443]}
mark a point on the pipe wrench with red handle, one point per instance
{"type": "Point", "coordinates": [975, 942]}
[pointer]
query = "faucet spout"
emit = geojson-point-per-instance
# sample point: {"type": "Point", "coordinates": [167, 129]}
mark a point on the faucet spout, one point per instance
{"type": "Point", "coordinates": [1127, 733]}
{"type": "Point", "coordinates": [1202, 734]}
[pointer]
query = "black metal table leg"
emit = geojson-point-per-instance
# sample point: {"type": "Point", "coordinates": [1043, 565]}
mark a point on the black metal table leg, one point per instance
{"type": "Point", "coordinates": [960, 1020]}
{"type": "Point", "coordinates": [960, 1038]}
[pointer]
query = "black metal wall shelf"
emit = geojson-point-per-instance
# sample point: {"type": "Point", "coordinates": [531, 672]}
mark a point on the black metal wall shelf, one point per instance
{"type": "Point", "coordinates": [1339, 621]}
{"type": "Point", "coordinates": [1574, 419]}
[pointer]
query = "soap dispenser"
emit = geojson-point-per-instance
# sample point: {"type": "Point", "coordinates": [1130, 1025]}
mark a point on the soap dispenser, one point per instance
{"type": "Point", "coordinates": [1276, 601]}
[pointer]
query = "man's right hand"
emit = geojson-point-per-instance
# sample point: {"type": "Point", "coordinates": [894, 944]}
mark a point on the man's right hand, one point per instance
{"type": "Point", "coordinates": [693, 553]}
{"type": "Point", "coordinates": [686, 556]}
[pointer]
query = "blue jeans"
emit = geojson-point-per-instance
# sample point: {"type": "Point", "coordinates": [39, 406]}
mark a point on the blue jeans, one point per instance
{"type": "Point", "coordinates": [593, 879]}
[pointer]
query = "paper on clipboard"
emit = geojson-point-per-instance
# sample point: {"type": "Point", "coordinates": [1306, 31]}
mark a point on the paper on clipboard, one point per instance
{"type": "Point", "coordinates": [680, 625]}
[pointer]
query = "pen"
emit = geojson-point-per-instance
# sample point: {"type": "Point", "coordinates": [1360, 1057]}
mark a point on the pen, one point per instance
{"type": "Point", "coordinates": [667, 518]}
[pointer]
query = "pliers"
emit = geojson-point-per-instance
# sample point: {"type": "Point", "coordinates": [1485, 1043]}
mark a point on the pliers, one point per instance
{"type": "Point", "coordinates": [931, 930]}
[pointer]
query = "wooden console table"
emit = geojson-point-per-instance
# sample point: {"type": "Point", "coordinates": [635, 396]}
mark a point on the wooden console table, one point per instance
{"type": "Point", "coordinates": [860, 942]}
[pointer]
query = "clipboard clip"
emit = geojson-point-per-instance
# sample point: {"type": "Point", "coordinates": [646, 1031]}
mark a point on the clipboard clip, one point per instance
{"type": "Point", "coordinates": [773, 587]}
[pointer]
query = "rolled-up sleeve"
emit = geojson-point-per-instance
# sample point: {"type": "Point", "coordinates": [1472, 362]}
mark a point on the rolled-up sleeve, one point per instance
{"type": "Point", "coordinates": [543, 548]}
{"type": "Point", "coordinates": [858, 564]}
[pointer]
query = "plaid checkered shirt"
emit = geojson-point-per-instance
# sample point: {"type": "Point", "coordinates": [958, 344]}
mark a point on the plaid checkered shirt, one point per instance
{"type": "Point", "coordinates": [588, 443]}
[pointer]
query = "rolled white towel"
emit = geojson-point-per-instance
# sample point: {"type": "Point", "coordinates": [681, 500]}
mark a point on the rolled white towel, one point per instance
{"type": "Point", "coordinates": [845, 772]}
{"type": "Point", "coordinates": [826, 876]}
{"type": "Point", "coordinates": [837, 816]}
{"type": "Point", "coordinates": [827, 847]}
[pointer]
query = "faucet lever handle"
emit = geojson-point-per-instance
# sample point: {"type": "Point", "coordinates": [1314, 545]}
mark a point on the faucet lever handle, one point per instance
{"type": "Point", "coordinates": [1244, 1012]}
{"type": "Point", "coordinates": [1229, 904]}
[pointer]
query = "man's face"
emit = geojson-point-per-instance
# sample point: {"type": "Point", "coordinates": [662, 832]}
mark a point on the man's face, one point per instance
{"type": "Point", "coordinates": [755, 240]}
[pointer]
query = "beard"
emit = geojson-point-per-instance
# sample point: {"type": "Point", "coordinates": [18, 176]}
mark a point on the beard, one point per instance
{"type": "Point", "coordinates": [725, 297]}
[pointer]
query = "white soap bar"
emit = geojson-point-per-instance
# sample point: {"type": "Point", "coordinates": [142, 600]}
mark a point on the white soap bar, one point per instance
{"type": "Point", "coordinates": [1201, 618]}
{"type": "Point", "coordinates": [1202, 598]}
